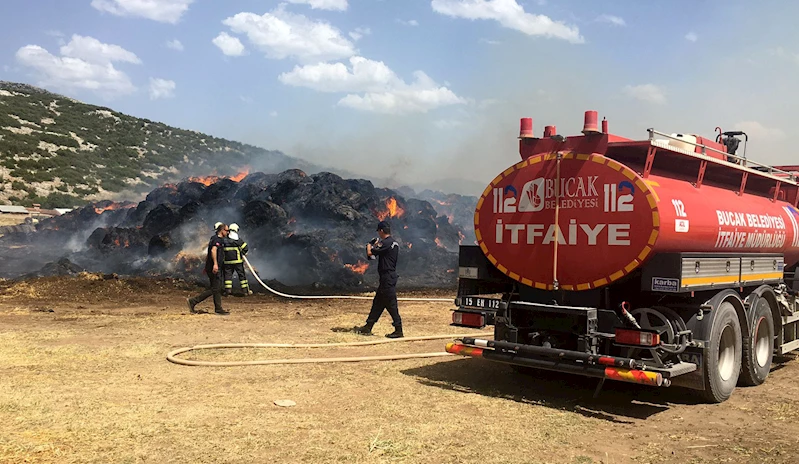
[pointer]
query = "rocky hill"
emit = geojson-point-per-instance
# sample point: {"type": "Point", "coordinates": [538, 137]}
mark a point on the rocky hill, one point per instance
{"type": "Point", "coordinates": [60, 152]}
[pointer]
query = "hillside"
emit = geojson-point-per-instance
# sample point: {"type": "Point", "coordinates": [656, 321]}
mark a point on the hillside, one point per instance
{"type": "Point", "coordinates": [58, 151]}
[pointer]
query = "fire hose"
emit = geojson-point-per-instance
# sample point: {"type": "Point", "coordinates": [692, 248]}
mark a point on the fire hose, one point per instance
{"type": "Point", "coordinates": [330, 297]}
{"type": "Point", "coordinates": [172, 356]}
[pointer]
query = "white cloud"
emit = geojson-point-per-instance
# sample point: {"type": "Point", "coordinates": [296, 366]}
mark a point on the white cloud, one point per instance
{"type": "Point", "coordinates": [489, 41]}
{"type": "Point", "coordinates": [610, 19]}
{"type": "Point", "coordinates": [509, 14]}
{"type": "Point", "coordinates": [646, 92]}
{"type": "Point", "coordinates": [280, 34]}
{"type": "Point", "coordinates": [175, 45]}
{"type": "Point", "coordinates": [383, 91]}
{"type": "Point", "coordinates": [412, 22]}
{"type": "Point", "coordinates": [755, 130]}
{"type": "Point", "coordinates": [92, 50]}
{"type": "Point", "coordinates": [691, 37]}
{"type": "Point", "coordinates": [165, 11]}
{"type": "Point", "coordinates": [161, 88]}
{"type": "Point", "coordinates": [246, 100]}
{"type": "Point", "coordinates": [230, 46]}
{"type": "Point", "coordinates": [335, 5]}
{"type": "Point", "coordinates": [273, 114]}
{"type": "Point", "coordinates": [85, 64]}
{"type": "Point", "coordinates": [359, 32]}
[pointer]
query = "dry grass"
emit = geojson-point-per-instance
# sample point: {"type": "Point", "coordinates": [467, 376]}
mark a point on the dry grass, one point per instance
{"type": "Point", "coordinates": [93, 385]}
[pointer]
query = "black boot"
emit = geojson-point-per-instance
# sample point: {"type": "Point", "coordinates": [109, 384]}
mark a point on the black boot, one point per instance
{"type": "Point", "coordinates": [192, 304]}
{"type": "Point", "coordinates": [397, 333]}
{"type": "Point", "coordinates": [365, 330]}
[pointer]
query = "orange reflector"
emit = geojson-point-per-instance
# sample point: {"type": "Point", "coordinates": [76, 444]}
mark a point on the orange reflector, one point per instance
{"type": "Point", "coordinates": [637, 337]}
{"type": "Point", "coordinates": [457, 348]}
{"type": "Point", "coordinates": [634, 376]}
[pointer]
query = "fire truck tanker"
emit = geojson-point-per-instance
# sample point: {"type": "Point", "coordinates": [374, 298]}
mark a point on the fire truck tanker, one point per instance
{"type": "Point", "coordinates": [664, 261]}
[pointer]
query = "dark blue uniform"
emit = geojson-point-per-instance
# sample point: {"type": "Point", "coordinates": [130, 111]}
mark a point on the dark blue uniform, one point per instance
{"type": "Point", "coordinates": [215, 278]}
{"type": "Point", "coordinates": [387, 252]}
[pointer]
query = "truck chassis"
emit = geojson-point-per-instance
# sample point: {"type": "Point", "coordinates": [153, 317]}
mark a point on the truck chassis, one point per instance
{"type": "Point", "coordinates": [671, 323]}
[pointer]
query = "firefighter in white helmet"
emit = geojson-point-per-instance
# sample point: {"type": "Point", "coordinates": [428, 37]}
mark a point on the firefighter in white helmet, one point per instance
{"type": "Point", "coordinates": [235, 249]}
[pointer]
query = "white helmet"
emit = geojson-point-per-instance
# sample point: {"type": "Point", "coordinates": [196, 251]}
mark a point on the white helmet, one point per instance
{"type": "Point", "coordinates": [216, 226]}
{"type": "Point", "coordinates": [234, 227]}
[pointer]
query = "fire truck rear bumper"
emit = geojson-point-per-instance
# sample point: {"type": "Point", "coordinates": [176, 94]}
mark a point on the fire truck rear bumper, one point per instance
{"type": "Point", "coordinates": [572, 362]}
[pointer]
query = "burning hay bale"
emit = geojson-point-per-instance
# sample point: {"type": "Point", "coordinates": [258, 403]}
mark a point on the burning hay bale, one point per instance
{"type": "Point", "coordinates": [302, 231]}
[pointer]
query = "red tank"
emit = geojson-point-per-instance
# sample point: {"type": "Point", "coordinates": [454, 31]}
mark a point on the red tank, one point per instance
{"type": "Point", "coordinates": [582, 212]}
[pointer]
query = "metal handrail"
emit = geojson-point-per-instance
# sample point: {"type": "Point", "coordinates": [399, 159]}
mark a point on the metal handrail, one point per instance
{"type": "Point", "coordinates": [771, 169]}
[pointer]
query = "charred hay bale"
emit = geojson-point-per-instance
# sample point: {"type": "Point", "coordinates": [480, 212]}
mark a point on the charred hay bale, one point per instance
{"type": "Point", "coordinates": [190, 210]}
{"type": "Point", "coordinates": [165, 194]}
{"type": "Point", "coordinates": [329, 196]}
{"type": "Point", "coordinates": [259, 179]}
{"type": "Point", "coordinates": [135, 216]}
{"type": "Point", "coordinates": [162, 218]}
{"type": "Point", "coordinates": [250, 191]}
{"type": "Point", "coordinates": [259, 214]}
{"type": "Point", "coordinates": [189, 192]}
{"type": "Point", "coordinates": [285, 187]}
{"type": "Point", "coordinates": [109, 239]}
{"type": "Point", "coordinates": [160, 244]}
{"type": "Point", "coordinates": [221, 189]}
{"type": "Point", "coordinates": [62, 267]}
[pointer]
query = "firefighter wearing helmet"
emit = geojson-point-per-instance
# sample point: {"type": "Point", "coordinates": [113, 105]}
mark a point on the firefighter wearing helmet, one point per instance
{"type": "Point", "coordinates": [234, 250]}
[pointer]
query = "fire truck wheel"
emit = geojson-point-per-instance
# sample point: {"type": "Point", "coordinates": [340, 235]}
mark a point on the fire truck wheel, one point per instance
{"type": "Point", "coordinates": [723, 354]}
{"type": "Point", "coordinates": [758, 346]}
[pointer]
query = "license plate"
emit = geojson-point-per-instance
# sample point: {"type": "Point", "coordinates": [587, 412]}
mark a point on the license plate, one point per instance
{"type": "Point", "coordinates": [482, 303]}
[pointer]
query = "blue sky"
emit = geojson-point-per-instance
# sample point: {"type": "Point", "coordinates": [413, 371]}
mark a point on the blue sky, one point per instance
{"type": "Point", "coordinates": [417, 89]}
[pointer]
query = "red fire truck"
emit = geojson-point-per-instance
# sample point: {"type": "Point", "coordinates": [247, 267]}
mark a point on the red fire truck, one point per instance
{"type": "Point", "coordinates": [663, 261]}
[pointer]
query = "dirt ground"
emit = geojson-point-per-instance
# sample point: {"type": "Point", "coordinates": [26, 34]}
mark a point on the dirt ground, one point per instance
{"type": "Point", "coordinates": [84, 378]}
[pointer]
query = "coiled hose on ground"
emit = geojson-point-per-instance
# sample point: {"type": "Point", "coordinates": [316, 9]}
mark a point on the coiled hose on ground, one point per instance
{"type": "Point", "coordinates": [172, 356]}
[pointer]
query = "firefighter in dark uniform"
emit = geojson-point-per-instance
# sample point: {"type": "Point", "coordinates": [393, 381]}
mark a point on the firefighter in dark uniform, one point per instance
{"type": "Point", "coordinates": [235, 249]}
{"type": "Point", "coordinates": [387, 251]}
{"type": "Point", "coordinates": [213, 267]}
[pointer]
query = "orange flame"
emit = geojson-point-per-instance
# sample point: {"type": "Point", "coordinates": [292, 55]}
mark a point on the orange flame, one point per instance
{"type": "Point", "coordinates": [359, 268]}
{"type": "Point", "coordinates": [410, 245]}
{"type": "Point", "coordinates": [113, 206]}
{"type": "Point", "coordinates": [392, 209]}
{"type": "Point", "coordinates": [460, 237]}
{"type": "Point", "coordinates": [123, 243]}
{"type": "Point", "coordinates": [438, 242]}
{"type": "Point", "coordinates": [208, 180]}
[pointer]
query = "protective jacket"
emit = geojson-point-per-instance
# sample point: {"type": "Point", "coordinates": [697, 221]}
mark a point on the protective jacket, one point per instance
{"type": "Point", "coordinates": [235, 249]}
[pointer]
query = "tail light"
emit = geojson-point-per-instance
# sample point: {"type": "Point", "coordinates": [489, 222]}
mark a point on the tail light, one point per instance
{"type": "Point", "coordinates": [637, 337]}
{"type": "Point", "coordinates": [468, 319]}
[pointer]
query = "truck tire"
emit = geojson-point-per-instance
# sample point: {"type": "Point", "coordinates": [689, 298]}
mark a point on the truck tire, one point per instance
{"type": "Point", "coordinates": [722, 364]}
{"type": "Point", "coordinates": [758, 346]}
